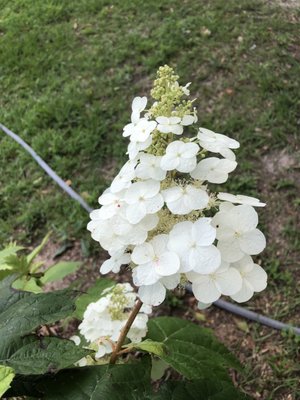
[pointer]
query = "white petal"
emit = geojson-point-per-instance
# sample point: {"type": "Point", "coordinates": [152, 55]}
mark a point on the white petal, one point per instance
{"type": "Point", "coordinates": [179, 206]}
{"type": "Point", "coordinates": [164, 128]}
{"type": "Point", "coordinates": [205, 260]}
{"type": "Point", "coordinates": [188, 120]}
{"type": "Point", "coordinates": [252, 242]}
{"type": "Point", "coordinates": [139, 103]}
{"type": "Point", "coordinates": [135, 212]}
{"type": "Point", "coordinates": [168, 264]}
{"type": "Point", "coordinates": [149, 222]}
{"type": "Point", "coordinates": [225, 233]}
{"type": "Point", "coordinates": [172, 193]}
{"type": "Point", "coordinates": [169, 162]}
{"type": "Point", "coordinates": [240, 199]}
{"type": "Point", "coordinates": [176, 129]}
{"type": "Point", "coordinates": [180, 237]}
{"type": "Point", "coordinates": [227, 153]}
{"type": "Point", "coordinates": [257, 277]}
{"type": "Point", "coordinates": [229, 281]}
{"type": "Point", "coordinates": [244, 294]}
{"type": "Point", "coordinates": [142, 254]}
{"type": "Point", "coordinates": [187, 164]}
{"type": "Point", "coordinates": [163, 120]}
{"type": "Point", "coordinates": [203, 306]}
{"type": "Point", "coordinates": [189, 149]}
{"type": "Point", "coordinates": [205, 290]}
{"type": "Point", "coordinates": [107, 266]}
{"type": "Point", "coordinates": [154, 204]}
{"type": "Point", "coordinates": [196, 198]}
{"type": "Point", "coordinates": [145, 275]}
{"type": "Point", "coordinates": [244, 218]}
{"type": "Point", "coordinates": [174, 120]}
{"type": "Point", "coordinates": [159, 244]}
{"type": "Point", "coordinates": [170, 282]}
{"type": "Point", "coordinates": [203, 232]}
{"type": "Point", "coordinates": [136, 236]}
{"type": "Point", "coordinates": [153, 294]}
{"type": "Point", "coordinates": [230, 250]}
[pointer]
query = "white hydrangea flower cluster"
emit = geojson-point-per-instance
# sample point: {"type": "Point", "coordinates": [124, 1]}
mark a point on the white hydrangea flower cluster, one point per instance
{"type": "Point", "coordinates": [104, 319]}
{"type": "Point", "coordinates": [160, 217]}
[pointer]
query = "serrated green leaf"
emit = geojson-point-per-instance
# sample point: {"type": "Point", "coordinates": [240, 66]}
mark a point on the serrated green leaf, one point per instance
{"type": "Point", "coordinates": [107, 382]}
{"type": "Point", "coordinates": [9, 296]}
{"type": "Point", "coordinates": [149, 346]}
{"type": "Point", "coordinates": [59, 271]}
{"type": "Point", "coordinates": [32, 310]}
{"type": "Point", "coordinates": [94, 293]}
{"type": "Point", "coordinates": [6, 376]}
{"type": "Point", "coordinates": [191, 350]}
{"type": "Point", "coordinates": [120, 382]}
{"type": "Point", "coordinates": [202, 389]}
{"type": "Point", "coordinates": [45, 354]}
{"type": "Point", "coordinates": [36, 251]}
{"type": "Point", "coordinates": [20, 314]}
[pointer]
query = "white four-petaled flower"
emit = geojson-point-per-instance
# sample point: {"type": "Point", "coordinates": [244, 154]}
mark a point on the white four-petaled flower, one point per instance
{"type": "Point", "coordinates": [149, 168]}
{"type": "Point", "coordinates": [236, 232]}
{"type": "Point", "coordinates": [213, 169]}
{"type": "Point", "coordinates": [157, 269]}
{"type": "Point", "coordinates": [193, 243]}
{"type": "Point", "coordinates": [254, 279]}
{"type": "Point", "coordinates": [209, 288]}
{"type": "Point", "coordinates": [115, 261]}
{"type": "Point", "coordinates": [181, 156]}
{"type": "Point", "coordinates": [182, 200]}
{"type": "Point", "coordinates": [217, 143]}
{"type": "Point", "coordinates": [143, 198]}
{"type": "Point", "coordinates": [240, 199]}
{"type": "Point", "coordinates": [169, 125]}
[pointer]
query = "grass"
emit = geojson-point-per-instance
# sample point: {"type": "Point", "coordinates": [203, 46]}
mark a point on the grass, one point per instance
{"type": "Point", "coordinates": [69, 70]}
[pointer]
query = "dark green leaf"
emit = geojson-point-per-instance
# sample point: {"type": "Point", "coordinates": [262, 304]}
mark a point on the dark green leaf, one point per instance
{"type": "Point", "coordinates": [9, 296]}
{"type": "Point", "coordinates": [204, 389]}
{"type": "Point", "coordinates": [20, 314]}
{"type": "Point", "coordinates": [105, 382]}
{"type": "Point", "coordinates": [44, 354]}
{"type": "Point", "coordinates": [191, 350]}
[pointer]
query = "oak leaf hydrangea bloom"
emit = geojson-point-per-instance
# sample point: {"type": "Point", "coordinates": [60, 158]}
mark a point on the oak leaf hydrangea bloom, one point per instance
{"type": "Point", "coordinates": [162, 217]}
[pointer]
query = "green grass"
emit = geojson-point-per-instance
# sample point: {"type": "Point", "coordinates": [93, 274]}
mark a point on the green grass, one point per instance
{"type": "Point", "coordinates": [68, 73]}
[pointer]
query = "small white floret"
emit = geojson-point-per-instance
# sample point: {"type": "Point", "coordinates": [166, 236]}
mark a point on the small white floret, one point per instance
{"type": "Point", "coordinates": [213, 169]}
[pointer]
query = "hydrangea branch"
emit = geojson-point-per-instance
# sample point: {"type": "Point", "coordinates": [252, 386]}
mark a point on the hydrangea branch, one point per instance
{"type": "Point", "coordinates": [125, 331]}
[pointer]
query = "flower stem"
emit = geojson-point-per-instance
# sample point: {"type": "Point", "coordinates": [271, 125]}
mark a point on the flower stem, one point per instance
{"type": "Point", "coordinates": [125, 330]}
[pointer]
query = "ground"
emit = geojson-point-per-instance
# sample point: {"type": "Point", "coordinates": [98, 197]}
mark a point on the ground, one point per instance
{"type": "Point", "coordinates": [68, 73]}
